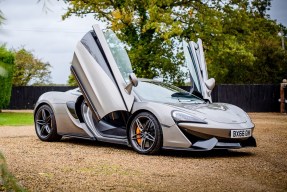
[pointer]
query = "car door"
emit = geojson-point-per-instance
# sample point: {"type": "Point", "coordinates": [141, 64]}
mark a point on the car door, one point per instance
{"type": "Point", "coordinates": [101, 67]}
{"type": "Point", "coordinates": [195, 61]}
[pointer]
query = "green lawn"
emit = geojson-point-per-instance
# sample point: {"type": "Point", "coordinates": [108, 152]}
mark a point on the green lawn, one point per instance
{"type": "Point", "coordinates": [16, 119]}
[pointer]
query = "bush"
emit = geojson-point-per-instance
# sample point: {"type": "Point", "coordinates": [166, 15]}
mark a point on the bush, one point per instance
{"type": "Point", "coordinates": [6, 74]}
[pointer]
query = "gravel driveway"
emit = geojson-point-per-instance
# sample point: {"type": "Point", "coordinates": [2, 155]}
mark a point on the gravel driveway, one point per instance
{"type": "Point", "coordinates": [74, 165]}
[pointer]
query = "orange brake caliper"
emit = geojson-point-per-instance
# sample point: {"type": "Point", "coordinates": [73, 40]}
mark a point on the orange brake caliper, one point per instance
{"type": "Point", "coordinates": [138, 132]}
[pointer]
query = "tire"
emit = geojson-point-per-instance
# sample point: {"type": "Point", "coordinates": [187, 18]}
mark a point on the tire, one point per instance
{"type": "Point", "coordinates": [145, 134]}
{"type": "Point", "coordinates": [45, 124]}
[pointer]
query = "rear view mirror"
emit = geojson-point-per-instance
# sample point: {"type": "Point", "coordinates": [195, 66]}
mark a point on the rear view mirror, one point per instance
{"type": "Point", "coordinates": [133, 82]}
{"type": "Point", "coordinates": [210, 83]}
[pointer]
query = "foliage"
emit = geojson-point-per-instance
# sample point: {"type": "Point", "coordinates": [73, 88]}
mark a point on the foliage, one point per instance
{"type": "Point", "coordinates": [236, 35]}
{"type": "Point", "coordinates": [16, 119]}
{"type": "Point", "coordinates": [6, 73]}
{"type": "Point", "coordinates": [148, 31]}
{"type": "Point", "coordinates": [271, 63]}
{"type": "Point", "coordinates": [2, 18]}
{"type": "Point", "coordinates": [29, 69]}
{"type": "Point", "coordinates": [7, 180]}
{"type": "Point", "coordinates": [236, 55]}
{"type": "Point", "coordinates": [72, 81]}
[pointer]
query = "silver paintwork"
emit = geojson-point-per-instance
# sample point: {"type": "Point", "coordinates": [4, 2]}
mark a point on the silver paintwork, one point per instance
{"type": "Point", "coordinates": [220, 120]}
{"type": "Point", "coordinates": [128, 98]}
{"type": "Point", "coordinates": [197, 66]}
{"type": "Point", "coordinates": [172, 136]}
{"type": "Point", "coordinates": [87, 115]}
{"type": "Point", "coordinates": [107, 94]}
{"type": "Point", "coordinates": [90, 74]}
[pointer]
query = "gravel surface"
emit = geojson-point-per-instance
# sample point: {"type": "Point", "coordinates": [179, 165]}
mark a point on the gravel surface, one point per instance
{"type": "Point", "coordinates": [16, 131]}
{"type": "Point", "coordinates": [74, 165]}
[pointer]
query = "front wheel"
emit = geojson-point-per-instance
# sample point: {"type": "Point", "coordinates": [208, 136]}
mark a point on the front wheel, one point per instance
{"type": "Point", "coordinates": [145, 134]}
{"type": "Point", "coordinates": [45, 124]}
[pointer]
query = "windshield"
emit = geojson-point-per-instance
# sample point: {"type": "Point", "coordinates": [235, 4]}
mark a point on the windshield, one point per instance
{"type": "Point", "coordinates": [163, 92]}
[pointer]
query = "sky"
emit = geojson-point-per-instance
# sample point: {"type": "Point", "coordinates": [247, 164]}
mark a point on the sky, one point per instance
{"type": "Point", "coordinates": [53, 40]}
{"type": "Point", "coordinates": [44, 32]}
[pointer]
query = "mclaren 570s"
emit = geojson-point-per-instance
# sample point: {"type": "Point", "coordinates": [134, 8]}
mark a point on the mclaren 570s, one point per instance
{"type": "Point", "coordinates": [112, 105]}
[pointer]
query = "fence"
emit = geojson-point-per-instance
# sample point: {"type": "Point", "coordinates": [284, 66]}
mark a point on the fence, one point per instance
{"type": "Point", "coordinates": [25, 97]}
{"type": "Point", "coordinates": [251, 98]}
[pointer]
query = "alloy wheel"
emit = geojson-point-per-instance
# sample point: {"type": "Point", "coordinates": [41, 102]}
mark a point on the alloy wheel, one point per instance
{"type": "Point", "coordinates": [45, 124]}
{"type": "Point", "coordinates": [145, 134]}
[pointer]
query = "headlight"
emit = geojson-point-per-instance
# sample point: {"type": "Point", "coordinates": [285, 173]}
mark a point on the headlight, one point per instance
{"type": "Point", "coordinates": [183, 117]}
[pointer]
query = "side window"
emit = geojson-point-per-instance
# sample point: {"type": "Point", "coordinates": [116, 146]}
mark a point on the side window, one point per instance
{"type": "Point", "coordinates": [90, 43]}
{"type": "Point", "coordinates": [119, 53]}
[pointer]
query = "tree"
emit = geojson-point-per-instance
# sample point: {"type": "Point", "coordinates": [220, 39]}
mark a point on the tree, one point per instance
{"type": "Point", "coordinates": [271, 63]}
{"type": "Point", "coordinates": [6, 73]}
{"type": "Point", "coordinates": [233, 33]}
{"type": "Point", "coordinates": [29, 69]}
{"type": "Point", "coordinates": [2, 18]}
{"type": "Point", "coordinates": [236, 56]}
{"type": "Point", "coordinates": [72, 81]}
{"type": "Point", "coordinates": [148, 30]}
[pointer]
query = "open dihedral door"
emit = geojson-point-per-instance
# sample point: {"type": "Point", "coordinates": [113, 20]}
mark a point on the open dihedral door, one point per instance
{"type": "Point", "coordinates": [101, 75]}
{"type": "Point", "coordinates": [195, 61]}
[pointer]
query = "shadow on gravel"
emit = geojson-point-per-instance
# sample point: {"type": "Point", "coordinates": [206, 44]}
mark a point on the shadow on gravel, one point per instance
{"type": "Point", "coordinates": [206, 154]}
{"type": "Point", "coordinates": [168, 153]}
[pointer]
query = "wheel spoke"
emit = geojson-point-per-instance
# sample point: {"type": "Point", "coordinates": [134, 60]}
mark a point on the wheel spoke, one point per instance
{"type": "Point", "coordinates": [40, 122]}
{"type": "Point", "coordinates": [140, 126]}
{"type": "Point", "coordinates": [47, 128]}
{"type": "Point", "coordinates": [137, 136]}
{"type": "Point", "coordinates": [48, 119]}
{"type": "Point", "coordinates": [143, 142]}
{"type": "Point", "coordinates": [44, 115]}
{"type": "Point", "coordinates": [148, 125]}
{"type": "Point", "coordinates": [42, 129]}
{"type": "Point", "coordinates": [150, 137]}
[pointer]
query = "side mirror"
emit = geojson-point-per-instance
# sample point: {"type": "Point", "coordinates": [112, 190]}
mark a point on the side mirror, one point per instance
{"type": "Point", "coordinates": [133, 83]}
{"type": "Point", "coordinates": [210, 83]}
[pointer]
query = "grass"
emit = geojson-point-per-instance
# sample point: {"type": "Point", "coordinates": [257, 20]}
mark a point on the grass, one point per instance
{"type": "Point", "coordinates": [7, 180]}
{"type": "Point", "coordinates": [16, 119]}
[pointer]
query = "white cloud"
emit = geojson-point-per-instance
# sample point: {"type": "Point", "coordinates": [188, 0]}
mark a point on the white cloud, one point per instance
{"type": "Point", "coordinates": [50, 38]}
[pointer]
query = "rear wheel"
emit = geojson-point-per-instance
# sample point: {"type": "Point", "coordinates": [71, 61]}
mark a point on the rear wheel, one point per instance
{"type": "Point", "coordinates": [45, 124]}
{"type": "Point", "coordinates": [145, 134]}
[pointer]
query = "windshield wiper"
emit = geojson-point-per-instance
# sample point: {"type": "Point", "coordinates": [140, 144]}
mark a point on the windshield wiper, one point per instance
{"type": "Point", "coordinates": [187, 97]}
{"type": "Point", "coordinates": [181, 94]}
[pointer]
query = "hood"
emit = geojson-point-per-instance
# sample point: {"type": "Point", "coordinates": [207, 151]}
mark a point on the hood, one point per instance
{"type": "Point", "coordinates": [217, 112]}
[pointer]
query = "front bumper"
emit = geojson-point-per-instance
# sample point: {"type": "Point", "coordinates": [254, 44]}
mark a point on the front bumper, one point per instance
{"type": "Point", "coordinates": [203, 137]}
{"type": "Point", "coordinates": [213, 143]}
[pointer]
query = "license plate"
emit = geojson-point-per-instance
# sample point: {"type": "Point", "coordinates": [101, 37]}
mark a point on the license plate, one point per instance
{"type": "Point", "coordinates": [240, 133]}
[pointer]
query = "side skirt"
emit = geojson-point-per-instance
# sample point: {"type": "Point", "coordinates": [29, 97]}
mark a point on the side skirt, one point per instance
{"type": "Point", "coordinates": [102, 139]}
{"type": "Point", "coordinates": [77, 136]}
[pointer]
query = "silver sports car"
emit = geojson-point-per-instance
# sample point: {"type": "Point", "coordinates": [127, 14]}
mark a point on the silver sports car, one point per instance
{"type": "Point", "coordinates": [112, 105]}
